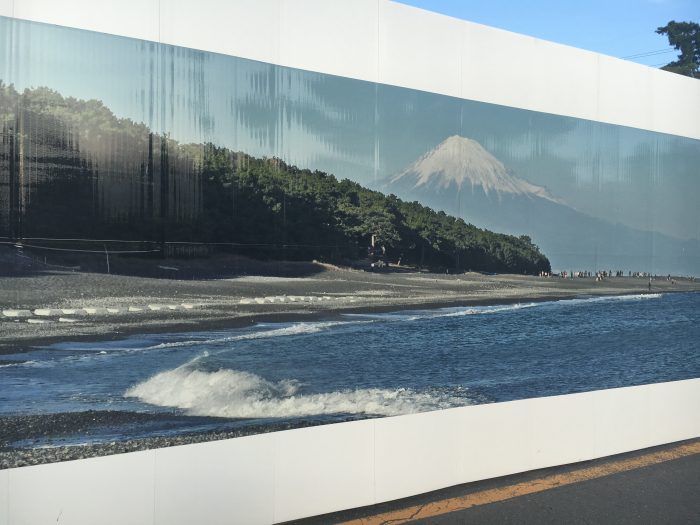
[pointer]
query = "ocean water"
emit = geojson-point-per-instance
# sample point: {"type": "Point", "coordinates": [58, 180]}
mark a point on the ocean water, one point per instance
{"type": "Point", "coordinates": [357, 366]}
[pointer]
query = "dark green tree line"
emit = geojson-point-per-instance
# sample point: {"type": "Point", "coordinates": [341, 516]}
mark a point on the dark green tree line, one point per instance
{"type": "Point", "coordinates": [71, 168]}
{"type": "Point", "coordinates": [310, 214]}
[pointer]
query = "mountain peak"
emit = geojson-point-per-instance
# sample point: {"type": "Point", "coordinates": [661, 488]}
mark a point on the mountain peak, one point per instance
{"type": "Point", "coordinates": [458, 161]}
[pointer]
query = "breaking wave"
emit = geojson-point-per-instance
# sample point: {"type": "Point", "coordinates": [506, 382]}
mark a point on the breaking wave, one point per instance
{"type": "Point", "coordinates": [445, 312]}
{"type": "Point", "coordinates": [295, 329]}
{"type": "Point", "coordinates": [502, 308]}
{"type": "Point", "coordinates": [610, 298]}
{"type": "Point", "coordinates": [477, 310]}
{"type": "Point", "coordinates": [238, 394]}
{"type": "Point", "coordinates": [8, 364]}
{"type": "Point", "coordinates": [206, 339]}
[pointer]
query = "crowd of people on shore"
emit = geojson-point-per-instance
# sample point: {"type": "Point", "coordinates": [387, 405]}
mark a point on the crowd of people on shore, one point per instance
{"type": "Point", "coordinates": [605, 274]}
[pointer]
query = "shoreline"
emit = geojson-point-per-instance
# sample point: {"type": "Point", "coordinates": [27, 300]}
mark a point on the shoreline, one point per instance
{"type": "Point", "coordinates": [328, 295]}
{"type": "Point", "coordinates": [249, 320]}
{"type": "Point", "coordinates": [51, 437]}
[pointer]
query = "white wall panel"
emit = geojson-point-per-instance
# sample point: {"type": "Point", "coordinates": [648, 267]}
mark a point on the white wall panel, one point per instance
{"type": "Point", "coordinates": [419, 50]}
{"type": "Point", "coordinates": [213, 482]}
{"type": "Point", "coordinates": [411, 47]}
{"type": "Point", "coordinates": [339, 38]}
{"type": "Point", "coordinates": [564, 82]}
{"type": "Point", "coordinates": [491, 72]}
{"type": "Point", "coordinates": [676, 104]}
{"type": "Point", "coordinates": [244, 28]}
{"type": "Point", "coordinates": [674, 413]}
{"type": "Point", "coordinates": [321, 469]}
{"type": "Point", "coordinates": [108, 490]}
{"type": "Point", "coordinates": [132, 18]}
{"type": "Point", "coordinates": [561, 429]}
{"type": "Point", "coordinates": [625, 92]}
{"type": "Point", "coordinates": [4, 497]}
{"type": "Point", "coordinates": [415, 452]}
{"type": "Point", "coordinates": [510, 449]}
{"type": "Point", "coordinates": [621, 420]}
{"type": "Point", "coordinates": [6, 7]}
{"type": "Point", "coordinates": [520, 71]}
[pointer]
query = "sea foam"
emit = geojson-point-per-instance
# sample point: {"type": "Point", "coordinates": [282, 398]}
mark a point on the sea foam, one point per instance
{"type": "Point", "coordinates": [479, 310]}
{"type": "Point", "coordinates": [238, 394]}
{"type": "Point", "coordinates": [609, 298]}
{"type": "Point", "coordinates": [286, 331]}
{"type": "Point", "coordinates": [18, 363]}
{"type": "Point", "coordinates": [419, 315]}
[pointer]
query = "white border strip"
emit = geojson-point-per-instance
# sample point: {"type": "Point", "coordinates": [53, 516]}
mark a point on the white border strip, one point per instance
{"type": "Point", "coordinates": [390, 43]}
{"type": "Point", "coordinates": [292, 474]}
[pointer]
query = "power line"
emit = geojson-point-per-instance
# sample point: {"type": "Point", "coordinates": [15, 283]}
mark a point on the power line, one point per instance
{"type": "Point", "coordinates": [20, 243]}
{"type": "Point", "coordinates": [649, 53]}
{"type": "Point", "coordinates": [78, 240]}
{"type": "Point", "coordinates": [77, 250]}
{"type": "Point", "coordinates": [645, 53]}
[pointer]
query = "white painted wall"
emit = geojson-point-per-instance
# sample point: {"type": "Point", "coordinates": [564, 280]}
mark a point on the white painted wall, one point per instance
{"type": "Point", "coordinates": [296, 473]}
{"type": "Point", "coordinates": [386, 42]}
{"type": "Point", "coordinates": [286, 475]}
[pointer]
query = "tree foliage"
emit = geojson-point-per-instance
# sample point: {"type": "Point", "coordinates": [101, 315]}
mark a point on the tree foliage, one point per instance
{"type": "Point", "coordinates": [685, 37]}
{"type": "Point", "coordinates": [310, 214]}
{"type": "Point", "coordinates": [86, 173]}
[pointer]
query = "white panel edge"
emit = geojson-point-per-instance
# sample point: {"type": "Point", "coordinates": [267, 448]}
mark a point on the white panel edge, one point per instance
{"type": "Point", "coordinates": [4, 497]}
{"type": "Point", "coordinates": [7, 8]}
{"type": "Point", "coordinates": [111, 16]}
{"type": "Point", "coordinates": [113, 19]}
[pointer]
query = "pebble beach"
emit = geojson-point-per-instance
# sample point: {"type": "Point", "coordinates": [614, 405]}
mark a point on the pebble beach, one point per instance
{"type": "Point", "coordinates": [43, 306]}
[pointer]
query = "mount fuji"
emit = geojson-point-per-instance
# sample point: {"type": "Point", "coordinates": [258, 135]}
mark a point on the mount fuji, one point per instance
{"type": "Point", "coordinates": [460, 177]}
{"type": "Point", "coordinates": [460, 162]}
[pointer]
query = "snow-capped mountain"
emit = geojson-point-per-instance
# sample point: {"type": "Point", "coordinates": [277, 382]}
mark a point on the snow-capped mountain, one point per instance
{"type": "Point", "coordinates": [458, 162]}
{"type": "Point", "coordinates": [461, 178]}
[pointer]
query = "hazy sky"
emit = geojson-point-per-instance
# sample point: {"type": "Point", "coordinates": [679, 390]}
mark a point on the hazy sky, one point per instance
{"type": "Point", "coordinates": [620, 28]}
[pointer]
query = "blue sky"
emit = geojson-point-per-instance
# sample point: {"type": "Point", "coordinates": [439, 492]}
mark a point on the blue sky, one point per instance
{"type": "Point", "coordinates": [619, 28]}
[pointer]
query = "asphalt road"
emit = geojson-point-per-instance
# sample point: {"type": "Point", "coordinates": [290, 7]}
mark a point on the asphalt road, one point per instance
{"type": "Point", "coordinates": [660, 485]}
{"type": "Point", "coordinates": [667, 492]}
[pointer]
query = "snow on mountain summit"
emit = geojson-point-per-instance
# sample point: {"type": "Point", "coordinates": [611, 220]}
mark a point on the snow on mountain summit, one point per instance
{"type": "Point", "coordinates": [459, 161]}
